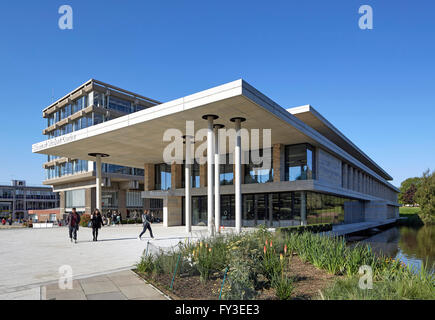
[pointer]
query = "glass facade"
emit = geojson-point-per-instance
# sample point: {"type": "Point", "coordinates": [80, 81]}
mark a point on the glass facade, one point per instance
{"type": "Point", "coordinates": [109, 199]}
{"type": "Point", "coordinates": [226, 175]}
{"type": "Point", "coordinates": [90, 119]}
{"type": "Point", "coordinates": [113, 168]}
{"type": "Point", "coordinates": [75, 198]}
{"type": "Point", "coordinates": [282, 209]}
{"type": "Point", "coordinates": [67, 168]}
{"type": "Point", "coordinates": [259, 172]}
{"type": "Point", "coordinates": [134, 199]}
{"type": "Point", "coordinates": [299, 162]}
{"type": "Point", "coordinates": [194, 180]}
{"type": "Point", "coordinates": [162, 176]}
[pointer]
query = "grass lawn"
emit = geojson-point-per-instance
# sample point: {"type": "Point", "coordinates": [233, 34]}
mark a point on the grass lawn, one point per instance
{"type": "Point", "coordinates": [404, 211]}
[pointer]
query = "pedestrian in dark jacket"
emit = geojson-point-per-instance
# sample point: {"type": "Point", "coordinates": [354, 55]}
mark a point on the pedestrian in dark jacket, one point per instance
{"type": "Point", "coordinates": [73, 221]}
{"type": "Point", "coordinates": [146, 220]}
{"type": "Point", "coordinates": [97, 222]}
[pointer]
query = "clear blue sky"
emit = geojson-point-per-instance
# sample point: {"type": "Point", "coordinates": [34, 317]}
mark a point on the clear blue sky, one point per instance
{"type": "Point", "coordinates": [377, 86]}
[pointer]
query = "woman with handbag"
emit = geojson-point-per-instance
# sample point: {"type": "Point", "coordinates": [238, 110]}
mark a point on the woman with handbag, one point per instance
{"type": "Point", "coordinates": [97, 222]}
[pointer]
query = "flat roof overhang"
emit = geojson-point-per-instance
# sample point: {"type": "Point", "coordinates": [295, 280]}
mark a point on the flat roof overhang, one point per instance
{"type": "Point", "coordinates": [314, 119]}
{"type": "Point", "coordinates": [137, 138]}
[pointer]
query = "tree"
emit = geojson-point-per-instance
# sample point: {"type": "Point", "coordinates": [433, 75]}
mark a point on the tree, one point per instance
{"type": "Point", "coordinates": [425, 197]}
{"type": "Point", "coordinates": [408, 188]}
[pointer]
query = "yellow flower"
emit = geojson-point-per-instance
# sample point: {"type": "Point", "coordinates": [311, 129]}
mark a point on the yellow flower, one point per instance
{"type": "Point", "coordinates": [200, 244]}
{"type": "Point", "coordinates": [209, 249]}
{"type": "Point", "coordinates": [281, 257]}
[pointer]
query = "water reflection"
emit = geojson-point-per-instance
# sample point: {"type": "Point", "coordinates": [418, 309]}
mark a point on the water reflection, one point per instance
{"type": "Point", "coordinates": [410, 245]}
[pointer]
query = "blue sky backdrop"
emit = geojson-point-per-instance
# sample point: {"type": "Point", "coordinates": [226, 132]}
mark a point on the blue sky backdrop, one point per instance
{"type": "Point", "coordinates": [376, 86]}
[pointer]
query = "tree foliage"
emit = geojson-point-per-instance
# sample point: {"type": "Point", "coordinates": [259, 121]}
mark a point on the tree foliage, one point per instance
{"type": "Point", "coordinates": [407, 190]}
{"type": "Point", "coordinates": [425, 196]}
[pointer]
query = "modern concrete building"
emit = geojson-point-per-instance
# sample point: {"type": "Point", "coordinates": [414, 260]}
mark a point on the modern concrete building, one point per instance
{"type": "Point", "coordinates": [92, 103]}
{"type": "Point", "coordinates": [308, 172]}
{"type": "Point", "coordinates": [17, 199]}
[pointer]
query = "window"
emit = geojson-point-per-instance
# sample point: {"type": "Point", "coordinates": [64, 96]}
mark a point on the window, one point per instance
{"type": "Point", "coordinates": [110, 199]}
{"type": "Point", "coordinates": [299, 162]}
{"type": "Point", "coordinates": [75, 198]}
{"type": "Point", "coordinates": [262, 172]}
{"type": "Point", "coordinates": [120, 105]}
{"type": "Point", "coordinates": [162, 176]}
{"type": "Point", "coordinates": [226, 170]}
{"type": "Point", "coordinates": [134, 199]}
{"type": "Point", "coordinates": [194, 180]}
{"type": "Point", "coordinates": [98, 118]}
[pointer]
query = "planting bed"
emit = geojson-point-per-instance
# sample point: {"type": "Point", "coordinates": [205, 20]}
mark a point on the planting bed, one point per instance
{"type": "Point", "coordinates": [308, 280]}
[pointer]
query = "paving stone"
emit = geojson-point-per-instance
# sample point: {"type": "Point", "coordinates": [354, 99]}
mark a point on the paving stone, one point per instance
{"type": "Point", "coordinates": [98, 287]}
{"type": "Point", "coordinates": [126, 280]}
{"type": "Point", "coordinates": [143, 291]}
{"type": "Point", "coordinates": [49, 249]}
{"type": "Point", "coordinates": [116, 295]}
{"type": "Point", "coordinates": [67, 295]}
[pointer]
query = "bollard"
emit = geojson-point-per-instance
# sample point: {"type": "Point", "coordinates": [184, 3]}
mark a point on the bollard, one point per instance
{"type": "Point", "coordinates": [175, 271]}
{"type": "Point", "coordinates": [146, 252]}
{"type": "Point", "coordinates": [223, 282]}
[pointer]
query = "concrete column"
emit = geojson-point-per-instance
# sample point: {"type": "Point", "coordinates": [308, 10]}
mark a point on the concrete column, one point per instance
{"type": "Point", "coordinates": [90, 200]}
{"type": "Point", "coordinates": [237, 172]}
{"type": "Point", "coordinates": [303, 208]}
{"type": "Point", "coordinates": [360, 181]}
{"type": "Point", "coordinates": [122, 202]}
{"type": "Point", "coordinates": [217, 194]}
{"type": "Point", "coordinates": [350, 180]}
{"type": "Point", "coordinates": [210, 173]}
{"type": "Point", "coordinates": [62, 203]}
{"type": "Point", "coordinates": [270, 210]}
{"type": "Point", "coordinates": [98, 182]}
{"type": "Point", "coordinates": [276, 156]}
{"type": "Point", "coordinates": [344, 176]}
{"type": "Point", "coordinates": [176, 176]}
{"type": "Point", "coordinates": [149, 177]}
{"type": "Point", "coordinates": [203, 175]}
{"type": "Point", "coordinates": [355, 179]}
{"type": "Point", "coordinates": [188, 186]}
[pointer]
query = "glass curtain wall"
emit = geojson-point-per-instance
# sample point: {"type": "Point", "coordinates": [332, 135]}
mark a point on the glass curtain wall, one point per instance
{"type": "Point", "coordinates": [226, 175]}
{"type": "Point", "coordinates": [260, 172]}
{"type": "Point", "coordinates": [194, 180]}
{"type": "Point", "coordinates": [281, 209]}
{"type": "Point", "coordinates": [299, 160]}
{"type": "Point", "coordinates": [75, 198]}
{"type": "Point", "coordinates": [162, 176]}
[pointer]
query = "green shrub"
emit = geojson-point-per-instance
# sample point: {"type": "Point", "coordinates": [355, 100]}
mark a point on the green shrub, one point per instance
{"type": "Point", "coordinates": [241, 278]}
{"type": "Point", "coordinates": [84, 219]}
{"type": "Point", "coordinates": [270, 262]}
{"type": "Point", "coordinates": [283, 287]}
{"type": "Point", "coordinates": [146, 264]}
{"type": "Point", "coordinates": [401, 285]}
{"type": "Point", "coordinates": [315, 228]}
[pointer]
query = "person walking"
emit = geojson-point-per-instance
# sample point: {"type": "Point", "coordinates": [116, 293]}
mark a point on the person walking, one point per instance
{"type": "Point", "coordinates": [118, 217]}
{"type": "Point", "coordinates": [73, 221]}
{"type": "Point", "coordinates": [146, 220]}
{"type": "Point", "coordinates": [96, 222]}
{"type": "Point", "coordinates": [109, 217]}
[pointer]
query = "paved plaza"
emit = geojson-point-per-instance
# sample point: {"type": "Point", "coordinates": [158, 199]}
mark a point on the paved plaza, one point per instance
{"type": "Point", "coordinates": [31, 258]}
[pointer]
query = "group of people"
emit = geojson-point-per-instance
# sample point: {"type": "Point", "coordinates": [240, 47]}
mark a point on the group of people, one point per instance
{"type": "Point", "coordinates": [73, 222]}
{"type": "Point", "coordinates": [110, 218]}
{"type": "Point", "coordinates": [9, 221]}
